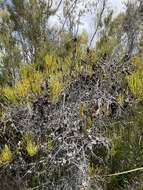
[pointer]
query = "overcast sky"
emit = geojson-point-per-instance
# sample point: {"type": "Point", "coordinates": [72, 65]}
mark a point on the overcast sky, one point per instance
{"type": "Point", "coordinates": [117, 5]}
{"type": "Point", "coordinates": [88, 22]}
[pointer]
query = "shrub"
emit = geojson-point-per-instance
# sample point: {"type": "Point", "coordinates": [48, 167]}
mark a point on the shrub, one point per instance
{"type": "Point", "coordinates": [30, 145]}
{"type": "Point", "coordinates": [135, 82]}
{"type": "Point", "coordinates": [56, 87]}
{"type": "Point", "coordinates": [9, 93]}
{"type": "Point", "coordinates": [6, 154]}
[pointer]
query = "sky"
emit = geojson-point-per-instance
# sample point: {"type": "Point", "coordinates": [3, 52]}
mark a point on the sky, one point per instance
{"type": "Point", "coordinates": [118, 5]}
{"type": "Point", "coordinates": [89, 22]}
